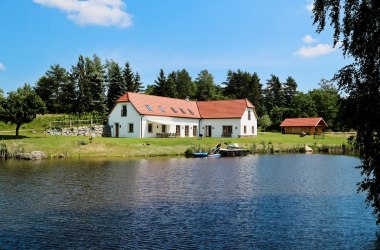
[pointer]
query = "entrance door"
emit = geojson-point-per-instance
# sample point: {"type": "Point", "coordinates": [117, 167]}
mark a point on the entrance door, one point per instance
{"type": "Point", "coordinates": [208, 131]}
{"type": "Point", "coordinates": [116, 131]}
{"type": "Point", "coordinates": [178, 130]}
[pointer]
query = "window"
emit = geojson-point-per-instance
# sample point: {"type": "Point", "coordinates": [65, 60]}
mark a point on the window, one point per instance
{"type": "Point", "coordinates": [195, 131]}
{"type": "Point", "coordinates": [191, 112]}
{"type": "Point", "coordinates": [253, 129]}
{"type": "Point", "coordinates": [161, 109]}
{"type": "Point", "coordinates": [249, 115]}
{"type": "Point", "coordinates": [150, 128]}
{"type": "Point", "coordinates": [227, 131]}
{"type": "Point", "coordinates": [130, 128]}
{"type": "Point", "coordinates": [186, 131]}
{"type": "Point", "coordinates": [173, 109]}
{"type": "Point", "coordinates": [149, 107]}
{"type": "Point", "coordinates": [124, 110]}
{"type": "Point", "coordinates": [245, 129]}
{"type": "Point", "coordinates": [183, 111]}
{"type": "Point", "coordinates": [163, 128]}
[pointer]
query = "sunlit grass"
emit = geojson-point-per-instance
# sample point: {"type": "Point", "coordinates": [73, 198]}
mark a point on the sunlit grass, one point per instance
{"type": "Point", "coordinates": [81, 146]}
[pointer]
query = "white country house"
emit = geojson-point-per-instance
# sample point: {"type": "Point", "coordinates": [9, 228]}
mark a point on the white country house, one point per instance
{"type": "Point", "coordinates": [142, 116]}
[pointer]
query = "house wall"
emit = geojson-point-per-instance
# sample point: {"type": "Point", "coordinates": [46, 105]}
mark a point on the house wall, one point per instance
{"type": "Point", "coordinates": [170, 124]}
{"type": "Point", "coordinates": [248, 123]}
{"type": "Point", "coordinates": [133, 117]}
{"type": "Point", "coordinates": [215, 125]}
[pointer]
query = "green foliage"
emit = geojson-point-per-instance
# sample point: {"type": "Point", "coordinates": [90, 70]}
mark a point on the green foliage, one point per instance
{"type": "Point", "coordinates": [189, 152]}
{"type": "Point", "coordinates": [22, 106]}
{"type": "Point", "coordinates": [184, 85]}
{"type": "Point", "coordinates": [302, 105]}
{"type": "Point", "coordinates": [264, 122]}
{"type": "Point", "coordinates": [205, 86]}
{"type": "Point", "coordinates": [273, 94]}
{"type": "Point", "coordinates": [358, 31]}
{"type": "Point", "coordinates": [165, 86]}
{"type": "Point", "coordinates": [115, 81]}
{"type": "Point", "coordinates": [325, 101]}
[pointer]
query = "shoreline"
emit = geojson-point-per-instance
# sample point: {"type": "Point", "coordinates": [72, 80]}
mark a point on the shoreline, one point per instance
{"type": "Point", "coordinates": [106, 147]}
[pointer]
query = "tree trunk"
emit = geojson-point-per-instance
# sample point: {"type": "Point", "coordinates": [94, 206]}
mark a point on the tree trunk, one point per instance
{"type": "Point", "coordinates": [17, 129]}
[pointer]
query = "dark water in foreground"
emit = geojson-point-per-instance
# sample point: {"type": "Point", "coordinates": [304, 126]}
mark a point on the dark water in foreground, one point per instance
{"type": "Point", "coordinates": [253, 202]}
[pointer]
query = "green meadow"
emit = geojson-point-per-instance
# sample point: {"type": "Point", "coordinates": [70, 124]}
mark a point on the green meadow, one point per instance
{"type": "Point", "coordinates": [82, 146]}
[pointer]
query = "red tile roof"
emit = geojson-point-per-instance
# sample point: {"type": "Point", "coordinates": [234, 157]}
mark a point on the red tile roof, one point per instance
{"type": "Point", "coordinates": [204, 109]}
{"type": "Point", "coordinates": [139, 101]}
{"type": "Point", "coordinates": [223, 108]}
{"type": "Point", "coordinates": [303, 122]}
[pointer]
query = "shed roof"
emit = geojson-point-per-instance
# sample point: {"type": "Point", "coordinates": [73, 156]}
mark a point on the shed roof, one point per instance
{"type": "Point", "coordinates": [304, 122]}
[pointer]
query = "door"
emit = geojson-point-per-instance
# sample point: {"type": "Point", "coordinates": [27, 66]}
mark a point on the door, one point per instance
{"type": "Point", "coordinates": [178, 130]}
{"type": "Point", "coordinates": [116, 129]}
{"type": "Point", "coordinates": [208, 131]}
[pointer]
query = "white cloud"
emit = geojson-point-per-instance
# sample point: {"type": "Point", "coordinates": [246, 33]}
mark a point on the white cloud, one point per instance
{"type": "Point", "coordinates": [2, 67]}
{"type": "Point", "coordinates": [314, 51]}
{"type": "Point", "coordinates": [92, 12]}
{"type": "Point", "coordinates": [308, 39]}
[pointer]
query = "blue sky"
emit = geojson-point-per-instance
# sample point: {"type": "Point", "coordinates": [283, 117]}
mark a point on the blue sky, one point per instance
{"type": "Point", "coordinates": [263, 36]}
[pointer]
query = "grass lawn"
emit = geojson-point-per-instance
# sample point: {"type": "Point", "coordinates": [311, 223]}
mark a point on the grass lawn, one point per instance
{"type": "Point", "coordinates": [81, 146]}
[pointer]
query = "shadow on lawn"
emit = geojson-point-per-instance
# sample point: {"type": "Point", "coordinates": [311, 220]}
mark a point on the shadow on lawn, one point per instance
{"type": "Point", "coordinates": [12, 137]}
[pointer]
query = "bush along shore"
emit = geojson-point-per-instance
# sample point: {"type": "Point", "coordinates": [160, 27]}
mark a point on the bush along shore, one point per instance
{"type": "Point", "coordinates": [15, 150]}
{"type": "Point", "coordinates": [262, 148]}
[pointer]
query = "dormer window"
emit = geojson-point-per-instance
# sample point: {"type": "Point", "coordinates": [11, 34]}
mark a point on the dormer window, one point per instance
{"type": "Point", "coordinates": [161, 109]}
{"type": "Point", "coordinates": [173, 109]}
{"type": "Point", "coordinates": [149, 107]}
{"type": "Point", "coordinates": [191, 112]}
{"type": "Point", "coordinates": [183, 112]}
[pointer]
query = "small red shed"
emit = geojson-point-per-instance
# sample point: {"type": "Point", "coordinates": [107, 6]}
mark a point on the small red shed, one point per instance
{"type": "Point", "coordinates": [310, 126]}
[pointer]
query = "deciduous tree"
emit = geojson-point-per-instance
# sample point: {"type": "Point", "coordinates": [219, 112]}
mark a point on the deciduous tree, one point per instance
{"type": "Point", "coordinates": [356, 26]}
{"type": "Point", "coordinates": [22, 106]}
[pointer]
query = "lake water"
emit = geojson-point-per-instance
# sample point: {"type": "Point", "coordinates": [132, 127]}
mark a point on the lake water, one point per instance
{"type": "Point", "coordinates": [301, 201]}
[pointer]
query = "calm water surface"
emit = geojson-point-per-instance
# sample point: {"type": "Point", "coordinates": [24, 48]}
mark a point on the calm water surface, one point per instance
{"type": "Point", "coordinates": [254, 202]}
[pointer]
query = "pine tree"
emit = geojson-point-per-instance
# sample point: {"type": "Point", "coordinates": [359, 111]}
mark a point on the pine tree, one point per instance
{"type": "Point", "coordinates": [184, 85]}
{"type": "Point", "coordinates": [137, 84]}
{"type": "Point", "coordinates": [160, 83]}
{"type": "Point", "coordinates": [96, 77]}
{"type": "Point", "coordinates": [274, 96]}
{"type": "Point", "coordinates": [48, 87]}
{"type": "Point", "coordinates": [169, 89]}
{"type": "Point", "coordinates": [205, 86]}
{"type": "Point", "coordinates": [79, 74]}
{"type": "Point", "coordinates": [290, 90]}
{"type": "Point", "coordinates": [115, 83]}
{"type": "Point", "coordinates": [128, 78]}
{"type": "Point", "coordinates": [68, 98]}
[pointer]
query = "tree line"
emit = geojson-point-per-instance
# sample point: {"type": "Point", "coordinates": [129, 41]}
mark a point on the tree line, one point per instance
{"type": "Point", "coordinates": [91, 87]}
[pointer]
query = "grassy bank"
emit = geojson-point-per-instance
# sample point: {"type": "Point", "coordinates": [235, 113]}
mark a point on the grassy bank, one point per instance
{"type": "Point", "coordinates": [81, 146]}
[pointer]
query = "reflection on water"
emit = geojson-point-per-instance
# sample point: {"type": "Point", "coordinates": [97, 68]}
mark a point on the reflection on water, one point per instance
{"type": "Point", "coordinates": [254, 202]}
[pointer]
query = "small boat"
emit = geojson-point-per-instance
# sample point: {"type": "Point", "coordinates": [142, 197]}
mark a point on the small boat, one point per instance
{"type": "Point", "coordinates": [233, 150]}
{"type": "Point", "coordinates": [214, 155]}
{"type": "Point", "coordinates": [200, 154]}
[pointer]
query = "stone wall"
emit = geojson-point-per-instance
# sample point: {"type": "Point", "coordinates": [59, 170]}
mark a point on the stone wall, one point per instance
{"type": "Point", "coordinates": [94, 131]}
